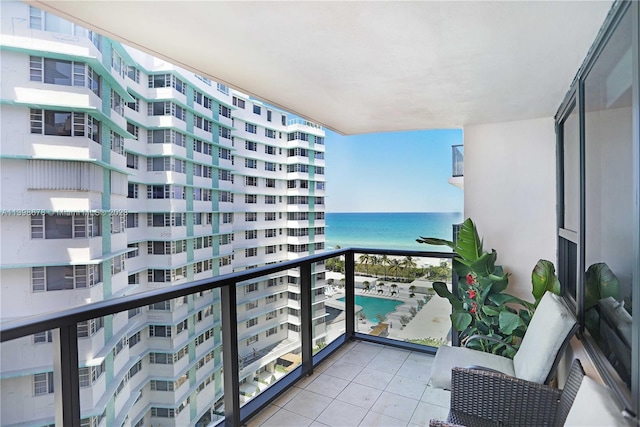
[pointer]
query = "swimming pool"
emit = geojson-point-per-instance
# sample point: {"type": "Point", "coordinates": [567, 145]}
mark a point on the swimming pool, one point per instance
{"type": "Point", "coordinates": [373, 306]}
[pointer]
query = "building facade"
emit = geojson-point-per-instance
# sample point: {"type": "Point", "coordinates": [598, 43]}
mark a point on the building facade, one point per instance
{"type": "Point", "coordinates": [122, 173]}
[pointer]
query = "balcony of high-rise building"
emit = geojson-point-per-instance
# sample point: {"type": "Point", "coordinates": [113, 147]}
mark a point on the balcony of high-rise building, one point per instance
{"type": "Point", "coordinates": [162, 245]}
{"type": "Point", "coordinates": [457, 166]}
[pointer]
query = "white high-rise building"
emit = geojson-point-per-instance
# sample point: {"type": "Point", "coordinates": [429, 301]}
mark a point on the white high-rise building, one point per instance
{"type": "Point", "coordinates": [122, 173]}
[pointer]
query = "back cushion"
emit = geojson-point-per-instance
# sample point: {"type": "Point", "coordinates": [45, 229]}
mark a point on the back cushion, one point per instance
{"type": "Point", "coordinates": [551, 324]}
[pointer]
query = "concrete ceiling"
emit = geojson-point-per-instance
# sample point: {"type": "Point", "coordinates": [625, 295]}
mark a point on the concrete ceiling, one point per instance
{"type": "Point", "coordinates": [361, 67]}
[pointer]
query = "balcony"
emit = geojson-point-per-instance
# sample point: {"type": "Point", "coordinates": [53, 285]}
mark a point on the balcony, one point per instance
{"type": "Point", "coordinates": [457, 166]}
{"type": "Point", "coordinates": [304, 125]}
{"type": "Point", "coordinates": [363, 383]}
{"type": "Point", "coordinates": [330, 365]}
{"type": "Point", "coordinates": [508, 123]}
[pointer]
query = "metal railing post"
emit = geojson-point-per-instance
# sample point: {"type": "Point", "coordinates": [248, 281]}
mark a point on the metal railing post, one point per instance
{"type": "Point", "coordinates": [230, 366]}
{"type": "Point", "coordinates": [66, 385]}
{"type": "Point", "coordinates": [349, 293]}
{"type": "Point", "coordinates": [306, 318]}
{"type": "Point", "coordinates": [455, 338]}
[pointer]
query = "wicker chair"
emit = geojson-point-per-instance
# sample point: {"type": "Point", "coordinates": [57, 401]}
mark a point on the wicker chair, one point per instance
{"type": "Point", "coordinates": [481, 398]}
{"type": "Point", "coordinates": [548, 335]}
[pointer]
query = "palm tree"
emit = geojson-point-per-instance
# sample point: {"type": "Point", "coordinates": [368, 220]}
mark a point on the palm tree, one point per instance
{"type": "Point", "coordinates": [395, 266]}
{"type": "Point", "coordinates": [374, 260]}
{"type": "Point", "coordinates": [364, 259]}
{"type": "Point", "coordinates": [409, 264]}
{"type": "Point", "coordinates": [384, 260]}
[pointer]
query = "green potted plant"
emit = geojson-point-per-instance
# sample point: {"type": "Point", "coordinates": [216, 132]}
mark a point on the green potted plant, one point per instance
{"type": "Point", "coordinates": [481, 307]}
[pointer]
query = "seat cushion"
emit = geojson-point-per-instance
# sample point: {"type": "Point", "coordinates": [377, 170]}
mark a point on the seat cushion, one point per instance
{"type": "Point", "coordinates": [550, 325]}
{"type": "Point", "coordinates": [448, 358]}
{"type": "Point", "coordinates": [595, 405]}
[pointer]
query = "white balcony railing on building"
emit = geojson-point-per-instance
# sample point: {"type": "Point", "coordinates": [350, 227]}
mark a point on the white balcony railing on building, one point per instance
{"type": "Point", "coordinates": [457, 160]}
{"type": "Point", "coordinates": [303, 122]}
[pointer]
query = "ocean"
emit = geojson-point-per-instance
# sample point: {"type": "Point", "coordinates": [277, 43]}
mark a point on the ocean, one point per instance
{"type": "Point", "coordinates": [389, 230]}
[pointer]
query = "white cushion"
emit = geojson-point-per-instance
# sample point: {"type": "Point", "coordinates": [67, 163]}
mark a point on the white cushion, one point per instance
{"type": "Point", "coordinates": [549, 327]}
{"type": "Point", "coordinates": [448, 358]}
{"type": "Point", "coordinates": [595, 405]}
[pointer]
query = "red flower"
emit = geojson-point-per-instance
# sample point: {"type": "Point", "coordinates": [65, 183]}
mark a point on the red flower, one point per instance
{"type": "Point", "coordinates": [472, 293]}
{"type": "Point", "coordinates": [474, 307]}
{"type": "Point", "coordinates": [470, 279]}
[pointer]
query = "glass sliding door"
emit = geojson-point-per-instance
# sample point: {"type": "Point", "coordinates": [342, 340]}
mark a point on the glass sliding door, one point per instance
{"type": "Point", "coordinates": [598, 128]}
{"type": "Point", "coordinates": [609, 200]}
{"type": "Point", "coordinates": [569, 195]}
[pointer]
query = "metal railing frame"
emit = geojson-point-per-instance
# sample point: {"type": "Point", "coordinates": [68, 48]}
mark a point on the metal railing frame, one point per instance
{"type": "Point", "coordinates": [64, 325]}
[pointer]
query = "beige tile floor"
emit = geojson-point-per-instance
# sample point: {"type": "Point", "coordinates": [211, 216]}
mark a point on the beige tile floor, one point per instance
{"type": "Point", "coordinates": [362, 384]}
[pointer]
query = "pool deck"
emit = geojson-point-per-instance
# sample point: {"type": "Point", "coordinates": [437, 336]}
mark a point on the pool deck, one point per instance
{"type": "Point", "coordinates": [432, 321]}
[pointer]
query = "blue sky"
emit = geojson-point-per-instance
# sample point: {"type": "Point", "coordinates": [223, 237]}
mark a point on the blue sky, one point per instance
{"type": "Point", "coordinates": [391, 172]}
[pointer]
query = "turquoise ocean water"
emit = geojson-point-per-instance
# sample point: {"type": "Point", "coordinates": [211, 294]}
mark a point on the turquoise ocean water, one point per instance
{"type": "Point", "coordinates": [389, 230]}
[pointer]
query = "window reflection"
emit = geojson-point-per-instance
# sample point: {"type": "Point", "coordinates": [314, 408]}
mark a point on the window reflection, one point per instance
{"type": "Point", "coordinates": [609, 255]}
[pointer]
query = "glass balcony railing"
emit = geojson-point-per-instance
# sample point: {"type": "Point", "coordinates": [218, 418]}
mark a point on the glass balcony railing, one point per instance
{"type": "Point", "coordinates": [220, 349]}
{"type": "Point", "coordinates": [457, 160]}
{"type": "Point", "coordinates": [303, 122]}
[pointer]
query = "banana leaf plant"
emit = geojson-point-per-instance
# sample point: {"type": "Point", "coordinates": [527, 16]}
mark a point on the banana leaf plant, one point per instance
{"type": "Point", "coordinates": [481, 306]}
{"type": "Point", "coordinates": [543, 279]}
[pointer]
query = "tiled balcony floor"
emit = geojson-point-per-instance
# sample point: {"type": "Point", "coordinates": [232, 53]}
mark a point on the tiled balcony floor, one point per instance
{"type": "Point", "coordinates": [362, 384]}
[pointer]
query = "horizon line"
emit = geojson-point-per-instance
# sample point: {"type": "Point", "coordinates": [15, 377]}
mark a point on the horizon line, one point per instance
{"type": "Point", "coordinates": [379, 212]}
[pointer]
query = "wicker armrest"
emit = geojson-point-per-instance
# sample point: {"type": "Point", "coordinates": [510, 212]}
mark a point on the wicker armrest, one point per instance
{"type": "Point", "coordinates": [500, 398]}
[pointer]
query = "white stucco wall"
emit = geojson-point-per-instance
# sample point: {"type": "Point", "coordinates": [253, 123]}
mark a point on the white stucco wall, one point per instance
{"type": "Point", "coordinates": [510, 193]}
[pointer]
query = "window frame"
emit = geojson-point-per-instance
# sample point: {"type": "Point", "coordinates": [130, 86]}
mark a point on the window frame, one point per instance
{"type": "Point", "coordinates": [43, 337]}
{"type": "Point", "coordinates": [250, 128]}
{"type": "Point", "coordinates": [43, 383]}
{"type": "Point", "coordinates": [78, 123]}
{"type": "Point", "coordinates": [575, 99]}
{"type": "Point", "coordinates": [78, 71]}
{"type": "Point", "coordinates": [81, 277]}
